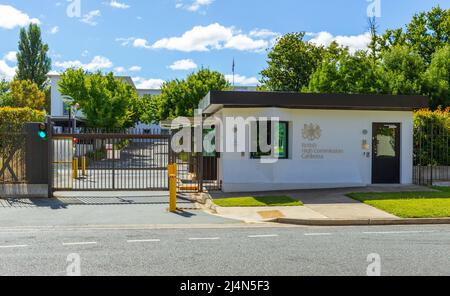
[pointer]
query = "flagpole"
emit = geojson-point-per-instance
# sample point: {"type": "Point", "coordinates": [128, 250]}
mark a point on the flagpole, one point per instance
{"type": "Point", "coordinates": [233, 68]}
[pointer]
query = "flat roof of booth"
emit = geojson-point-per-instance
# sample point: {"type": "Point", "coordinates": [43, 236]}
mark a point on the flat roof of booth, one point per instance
{"type": "Point", "coordinates": [216, 100]}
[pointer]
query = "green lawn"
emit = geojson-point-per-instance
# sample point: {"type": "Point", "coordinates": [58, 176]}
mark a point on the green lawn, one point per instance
{"type": "Point", "coordinates": [410, 204]}
{"type": "Point", "coordinates": [258, 201]}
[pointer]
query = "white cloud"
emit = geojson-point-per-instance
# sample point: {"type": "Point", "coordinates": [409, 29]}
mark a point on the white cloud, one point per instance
{"type": "Point", "coordinates": [11, 56]}
{"type": "Point", "coordinates": [245, 43]}
{"type": "Point", "coordinates": [6, 72]}
{"type": "Point", "coordinates": [263, 33]}
{"type": "Point", "coordinates": [97, 63]}
{"type": "Point", "coordinates": [193, 5]}
{"type": "Point", "coordinates": [242, 80]}
{"type": "Point", "coordinates": [119, 70]}
{"type": "Point", "coordinates": [10, 17]}
{"type": "Point", "coordinates": [142, 83]}
{"type": "Point", "coordinates": [125, 41]}
{"type": "Point", "coordinates": [135, 69]}
{"type": "Point", "coordinates": [90, 17]}
{"type": "Point", "coordinates": [354, 43]}
{"type": "Point", "coordinates": [54, 30]}
{"type": "Point", "coordinates": [119, 5]}
{"type": "Point", "coordinates": [183, 65]}
{"type": "Point", "coordinates": [203, 38]}
{"type": "Point", "coordinates": [142, 43]}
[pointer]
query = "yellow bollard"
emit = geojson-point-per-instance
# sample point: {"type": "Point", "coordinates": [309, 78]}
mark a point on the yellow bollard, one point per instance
{"type": "Point", "coordinates": [75, 168]}
{"type": "Point", "coordinates": [172, 170]}
{"type": "Point", "coordinates": [83, 166]}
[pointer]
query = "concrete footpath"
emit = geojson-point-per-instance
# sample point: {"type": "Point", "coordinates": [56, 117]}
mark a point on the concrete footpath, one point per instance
{"type": "Point", "coordinates": [321, 207]}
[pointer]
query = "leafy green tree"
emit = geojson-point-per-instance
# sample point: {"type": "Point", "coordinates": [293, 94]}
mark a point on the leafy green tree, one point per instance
{"type": "Point", "coordinates": [25, 93]}
{"type": "Point", "coordinates": [33, 64]}
{"type": "Point", "coordinates": [342, 72]}
{"type": "Point", "coordinates": [181, 97]}
{"type": "Point", "coordinates": [427, 32]}
{"type": "Point", "coordinates": [149, 106]}
{"type": "Point", "coordinates": [401, 70]}
{"type": "Point", "coordinates": [4, 86]}
{"type": "Point", "coordinates": [5, 93]}
{"type": "Point", "coordinates": [290, 63]}
{"type": "Point", "coordinates": [107, 102]}
{"type": "Point", "coordinates": [437, 78]}
{"type": "Point", "coordinates": [374, 48]}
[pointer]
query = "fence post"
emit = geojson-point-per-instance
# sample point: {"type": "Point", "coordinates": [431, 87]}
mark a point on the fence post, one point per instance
{"type": "Point", "coordinates": [172, 170]}
{"type": "Point", "coordinates": [48, 121]}
{"type": "Point", "coordinates": [432, 152]}
{"type": "Point", "coordinates": [83, 166]}
{"type": "Point", "coordinates": [75, 168]}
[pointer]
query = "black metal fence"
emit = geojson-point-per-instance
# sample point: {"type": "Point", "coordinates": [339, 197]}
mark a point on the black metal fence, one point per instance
{"type": "Point", "coordinates": [431, 154]}
{"type": "Point", "coordinates": [109, 160]}
{"type": "Point", "coordinates": [12, 155]}
{"type": "Point", "coordinates": [103, 160]}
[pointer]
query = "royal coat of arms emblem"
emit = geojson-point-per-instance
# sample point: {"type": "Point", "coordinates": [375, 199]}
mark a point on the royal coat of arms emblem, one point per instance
{"type": "Point", "coordinates": [312, 132]}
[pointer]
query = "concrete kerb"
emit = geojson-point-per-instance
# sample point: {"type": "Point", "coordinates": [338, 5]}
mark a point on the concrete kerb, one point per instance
{"type": "Point", "coordinates": [202, 200]}
{"type": "Point", "coordinates": [23, 191]}
{"type": "Point", "coordinates": [205, 201]}
{"type": "Point", "coordinates": [362, 222]}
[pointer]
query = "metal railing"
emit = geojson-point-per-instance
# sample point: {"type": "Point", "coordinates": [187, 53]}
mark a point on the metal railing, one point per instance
{"type": "Point", "coordinates": [109, 160]}
{"type": "Point", "coordinates": [431, 154]}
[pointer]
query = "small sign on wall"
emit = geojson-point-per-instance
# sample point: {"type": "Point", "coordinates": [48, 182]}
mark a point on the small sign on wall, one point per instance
{"type": "Point", "coordinates": [312, 150]}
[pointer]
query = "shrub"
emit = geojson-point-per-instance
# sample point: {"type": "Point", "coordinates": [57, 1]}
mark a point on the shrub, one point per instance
{"type": "Point", "coordinates": [431, 137]}
{"type": "Point", "coordinates": [27, 94]}
{"type": "Point", "coordinates": [13, 118]}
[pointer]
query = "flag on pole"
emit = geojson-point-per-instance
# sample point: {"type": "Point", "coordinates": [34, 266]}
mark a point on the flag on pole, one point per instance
{"type": "Point", "coordinates": [233, 68]}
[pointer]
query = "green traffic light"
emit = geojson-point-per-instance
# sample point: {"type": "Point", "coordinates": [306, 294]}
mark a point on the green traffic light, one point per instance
{"type": "Point", "coordinates": [42, 134]}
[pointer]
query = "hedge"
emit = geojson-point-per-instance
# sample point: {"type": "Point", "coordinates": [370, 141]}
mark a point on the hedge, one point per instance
{"type": "Point", "coordinates": [431, 137]}
{"type": "Point", "coordinates": [12, 118]}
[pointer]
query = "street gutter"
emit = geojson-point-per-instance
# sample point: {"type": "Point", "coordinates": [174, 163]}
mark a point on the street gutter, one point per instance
{"type": "Point", "coordinates": [362, 222]}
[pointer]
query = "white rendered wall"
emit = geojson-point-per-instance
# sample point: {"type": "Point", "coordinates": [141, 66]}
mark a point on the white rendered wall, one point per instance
{"type": "Point", "coordinates": [341, 129]}
{"type": "Point", "coordinates": [56, 99]}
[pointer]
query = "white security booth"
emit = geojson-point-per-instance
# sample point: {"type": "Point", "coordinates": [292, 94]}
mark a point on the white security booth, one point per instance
{"type": "Point", "coordinates": [324, 140]}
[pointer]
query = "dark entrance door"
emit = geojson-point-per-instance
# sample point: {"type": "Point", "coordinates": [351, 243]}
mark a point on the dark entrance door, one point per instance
{"type": "Point", "coordinates": [386, 153]}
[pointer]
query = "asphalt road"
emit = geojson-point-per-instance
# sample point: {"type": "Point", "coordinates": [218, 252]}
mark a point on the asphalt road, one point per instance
{"type": "Point", "coordinates": [227, 251]}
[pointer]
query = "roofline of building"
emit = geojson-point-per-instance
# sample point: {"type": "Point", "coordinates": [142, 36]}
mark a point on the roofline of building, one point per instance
{"type": "Point", "coordinates": [216, 100]}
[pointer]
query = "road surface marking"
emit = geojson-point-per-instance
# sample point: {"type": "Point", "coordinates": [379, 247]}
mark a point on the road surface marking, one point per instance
{"type": "Point", "coordinates": [317, 234]}
{"type": "Point", "coordinates": [79, 244]}
{"type": "Point", "coordinates": [13, 246]}
{"type": "Point", "coordinates": [398, 232]}
{"type": "Point", "coordinates": [203, 238]}
{"type": "Point", "coordinates": [263, 235]}
{"type": "Point", "coordinates": [143, 241]}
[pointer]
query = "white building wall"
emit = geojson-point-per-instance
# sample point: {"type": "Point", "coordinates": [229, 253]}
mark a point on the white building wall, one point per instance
{"type": "Point", "coordinates": [341, 129]}
{"type": "Point", "coordinates": [57, 107]}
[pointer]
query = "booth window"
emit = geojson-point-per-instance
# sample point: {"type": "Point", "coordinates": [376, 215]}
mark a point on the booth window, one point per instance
{"type": "Point", "coordinates": [281, 148]}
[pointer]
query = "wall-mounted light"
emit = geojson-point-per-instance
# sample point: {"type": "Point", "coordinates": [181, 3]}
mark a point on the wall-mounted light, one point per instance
{"type": "Point", "coordinates": [365, 145]}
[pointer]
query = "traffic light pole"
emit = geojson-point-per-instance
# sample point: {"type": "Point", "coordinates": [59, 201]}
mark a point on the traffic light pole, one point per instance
{"type": "Point", "coordinates": [48, 122]}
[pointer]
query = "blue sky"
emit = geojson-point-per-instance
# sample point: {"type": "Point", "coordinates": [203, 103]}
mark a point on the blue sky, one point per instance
{"type": "Point", "coordinates": [157, 40]}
